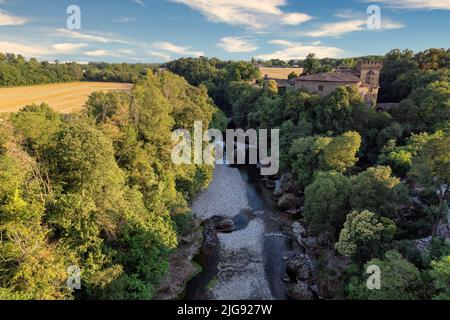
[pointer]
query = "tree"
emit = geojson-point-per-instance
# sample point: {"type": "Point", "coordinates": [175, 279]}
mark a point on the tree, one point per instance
{"type": "Point", "coordinates": [327, 203]}
{"type": "Point", "coordinates": [400, 280]}
{"type": "Point", "coordinates": [30, 266]}
{"type": "Point", "coordinates": [340, 153]}
{"type": "Point", "coordinates": [399, 158]}
{"type": "Point", "coordinates": [304, 158]}
{"type": "Point", "coordinates": [102, 106]}
{"type": "Point", "coordinates": [335, 113]}
{"type": "Point", "coordinates": [433, 59]}
{"type": "Point", "coordinates": [396, 62]}
{"type": "Point", "coordinates": [377, 191]}
{"type": "Point", "coordinates": [431, 168]}
{"type": "Point", "coordinates": [271, 88]}
{"type": "Point", "coordinates": [364, 233]}
{"type": "Point", "coordinates": [293, 75]}
{"type": "Point", "coordinates": [311, 64]}
{"type": "Point", "coordinates": [440, 274]}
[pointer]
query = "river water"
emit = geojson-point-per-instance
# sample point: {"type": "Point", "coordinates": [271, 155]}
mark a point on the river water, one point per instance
{"type": "Point", "coordinates": [250, 262]}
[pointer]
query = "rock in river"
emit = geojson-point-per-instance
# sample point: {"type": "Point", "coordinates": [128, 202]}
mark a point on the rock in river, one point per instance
{"type": "Point", "coordinates": [300, 291]}
{"type": "Point", "coordinates": [288, 202]}
{"type": "Point", "coordinates": [300, 268]}
{"type": "Point", "coordinates": [225, 226]}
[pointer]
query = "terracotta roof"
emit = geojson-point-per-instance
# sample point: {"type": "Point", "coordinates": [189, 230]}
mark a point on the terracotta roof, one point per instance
{"type": "Point", "coordinates": [330, 77]}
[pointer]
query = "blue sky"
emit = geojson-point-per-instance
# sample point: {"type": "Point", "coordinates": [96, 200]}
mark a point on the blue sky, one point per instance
{"type": "Point", "coordinates": [160, 30]}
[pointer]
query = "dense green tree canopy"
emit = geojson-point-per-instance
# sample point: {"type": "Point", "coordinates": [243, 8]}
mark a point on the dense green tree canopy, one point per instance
{"type": "Point", "coordinates": [364, 233]}
{"type": "Point", "coordinates": [377, 191]}
{"type": "Point", "coordinates": [400, 280]}
{"type": "Point", "coordinates": [327, 203]}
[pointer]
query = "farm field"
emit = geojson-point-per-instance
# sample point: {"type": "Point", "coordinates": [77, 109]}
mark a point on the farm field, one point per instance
{"type": "Point", "coordinates": [280, 73]}
{"type": "Point", "coordinates": [61, 97]}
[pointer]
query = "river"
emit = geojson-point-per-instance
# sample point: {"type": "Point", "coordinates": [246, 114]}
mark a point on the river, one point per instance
{"type": "Point", "coordinates": [250, 262]}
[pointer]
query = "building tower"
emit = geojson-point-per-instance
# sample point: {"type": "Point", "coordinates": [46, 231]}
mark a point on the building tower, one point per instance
{"type": "Point", "coordinates": [369, 73]}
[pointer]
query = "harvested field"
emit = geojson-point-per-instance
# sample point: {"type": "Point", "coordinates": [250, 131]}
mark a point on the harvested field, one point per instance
{"type": "Point", "coordinates": [279, 73]}
{"type": "Point", "coordinates": [62, 97]}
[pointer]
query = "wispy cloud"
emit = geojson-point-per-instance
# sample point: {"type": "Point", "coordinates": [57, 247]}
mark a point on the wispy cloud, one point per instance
{"type": "Point", "coordinates": [252, 14]}
{"type": "Point", "coordinates": [7, 19]}
{"type": "Point", "coordinates": [88, 37]}
{"type": "Point", "coordinates": [416, 4]}
{"type": "Point", "coordinates": [237, 45]}
{"type": "Point", "coordinates": [139, 2]}
{"type": "Point", "coordinates": [179, 50]}
{"type": "Point", "coordinates": [295, 50]}
{"type": "Point", "coordinates": [354, 21]}
{"type": "Point", "coordinates": [68, 48]}
{"type": "Point", "coordinates": [40, 51]}
{"type": "Point", "coordinates": [100, 53]}
{"type": "Point", "coordinates": [163, 57]}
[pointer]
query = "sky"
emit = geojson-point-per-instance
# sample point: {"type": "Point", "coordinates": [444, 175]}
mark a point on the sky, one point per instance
{"type": "Point", "coordinates": [152, 31]}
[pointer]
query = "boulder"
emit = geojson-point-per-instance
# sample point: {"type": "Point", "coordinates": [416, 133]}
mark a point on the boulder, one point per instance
{"type": "Point", "coordinates": [295, 264]}
{"type": "Point", "coordinates": [294, 212]}
{"type": "Point", "coordinates": [298, 229]}
{"type": "Point", "coordinates": [310, 242]}
{"type": "Point", "coordinates": [225, 226]}
{"type": "Point", "coordinates": [288, 201]}
{"type": "Point", "coordinates": [304, 273]}
{"type": "Point", "coordinates": [300, 291]}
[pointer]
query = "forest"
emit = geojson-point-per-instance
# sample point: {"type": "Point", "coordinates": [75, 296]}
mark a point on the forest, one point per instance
{"type": "Point", "coordinates": [15, 70]}
{"type": "Point", "coordinates": [371, 183]}
{"type": "Point", "coordinates": [98, 189]}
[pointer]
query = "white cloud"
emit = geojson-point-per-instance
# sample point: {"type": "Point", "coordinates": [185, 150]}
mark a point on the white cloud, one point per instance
{"type": "Point", "coordinates": [340, 28]}
{"type": "Point", "coordinates": [127, 52]}
{"type": "Point", "coordinates": [88, 37]}
{"type": "Point", "coordinates": [253, 14]}
{"type": "Point", "coordinates": [182, 51]}
{"type": "Point", "coordinates": [160, 55]}
{"type": "Point", "coordinates": [416, 4]}
{"type": "Point", "coordinates": [139, 2]}
{"type": "Point", "coordinates": [36, 51]}
{"type": "Point", "coordinates": [66, 48]}
{"type": "Point", "coordinates": [295, 50]}
{"type": "Point", "coordinates": [100, 53]}
{"type": "Point", "coordinates": [7, 19]}
{"type": "Point", "coordinates": [237, 44]}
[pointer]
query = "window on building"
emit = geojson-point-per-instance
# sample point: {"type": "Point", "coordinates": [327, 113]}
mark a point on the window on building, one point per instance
{"type": "Point", "coordinates": [320, 88]}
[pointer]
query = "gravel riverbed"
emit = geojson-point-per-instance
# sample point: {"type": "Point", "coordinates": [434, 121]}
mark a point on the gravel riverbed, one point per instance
{"type": "Point", "coordinates": [241, 273]}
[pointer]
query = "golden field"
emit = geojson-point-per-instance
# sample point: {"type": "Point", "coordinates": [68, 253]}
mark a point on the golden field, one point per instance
{"type": "Point", "coordinates": [61, 97]}
{"type": "Point", "coordinates": [279, 73]}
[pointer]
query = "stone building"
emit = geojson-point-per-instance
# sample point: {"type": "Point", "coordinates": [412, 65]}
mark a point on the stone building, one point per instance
{"type": "Point", "coordinates": [366, 78]}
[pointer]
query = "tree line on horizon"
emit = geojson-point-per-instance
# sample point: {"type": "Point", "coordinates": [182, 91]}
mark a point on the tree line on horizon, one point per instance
{"type": "Point", "coordinates": [15, 70]}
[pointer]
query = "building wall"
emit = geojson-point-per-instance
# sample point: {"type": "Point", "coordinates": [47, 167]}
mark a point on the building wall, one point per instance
{"type": "Point", "coordinates": [328, 87]}
{"type": "Point", "coordinates": [370, 66]}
